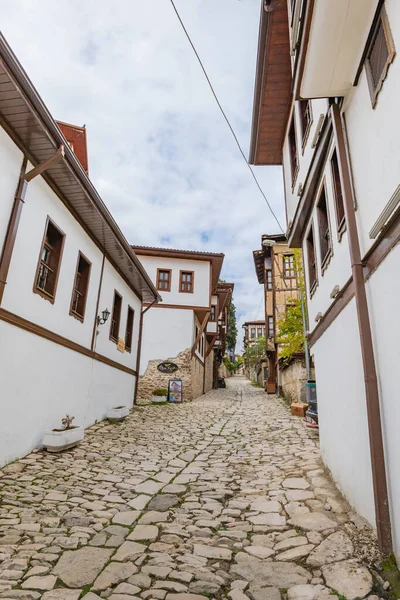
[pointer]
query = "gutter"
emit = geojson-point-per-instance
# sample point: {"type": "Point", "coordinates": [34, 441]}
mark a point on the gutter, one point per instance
{"type": "Point", "coordinates": [379, 478]}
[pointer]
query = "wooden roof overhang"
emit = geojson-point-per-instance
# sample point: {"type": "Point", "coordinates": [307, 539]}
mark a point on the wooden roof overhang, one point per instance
{"type": "Point", "coordinates": [214, 258]}
{"type": "Point", "coordinates": [27, 120]}
{"type": "Point", "coordinates": [272, 93]}
{"type": "Point", "coordinates": [258, 257]}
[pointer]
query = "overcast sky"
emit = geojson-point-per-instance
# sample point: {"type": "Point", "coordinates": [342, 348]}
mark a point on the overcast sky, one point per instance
{"type": "Point", "coordinates": [160, 153]}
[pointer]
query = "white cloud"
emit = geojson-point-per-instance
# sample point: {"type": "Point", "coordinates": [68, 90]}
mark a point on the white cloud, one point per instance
{"type": "Point", "coordinates": [160, 153]}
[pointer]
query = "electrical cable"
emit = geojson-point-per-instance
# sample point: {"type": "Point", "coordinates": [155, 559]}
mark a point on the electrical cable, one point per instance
{"type": "Point", "coordinates": [224, 115]}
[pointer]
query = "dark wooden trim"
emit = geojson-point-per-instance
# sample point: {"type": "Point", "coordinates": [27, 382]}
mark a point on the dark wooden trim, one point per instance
{"type": "Point", "coordinates": [12, 228]}
{"type": "Point", "coordinates": [42, 167]}
{"type": "Point", "coordinates": [375, 89]}
{"type": "Point", "coordinates": [169, 280]}
{"type": "Point", "coordinates": [211, 344]}
{"type": "Point", "coordinates": [129, 308]}
{"type": "Point", "coordinates": [368, 42]}
{"type": "Point", "coordinates": [181, 272]}
{"type": "Point", "coordinates": [51, 336]}
{"type": "Point", "coordinates": [200, 333]}
{"type": "Point", "coordinates": [162, 305]}
{"type": "Point", "coordinates": [139, 349]}
{"type": "Point", "coordinates": [115, 339]}
{"type": "Point", "coordinates": [201, 361]}
{"type": "Point", "coordinates": [92, 346]}
{"type": "Point", "coordinates": [36, 290]}
{"type": "Point", "coordinates": [74, 314]}
{"type": "Point", "coordinates": [340, 302]}
{"type": "Point", "coordinates": [304, 36]}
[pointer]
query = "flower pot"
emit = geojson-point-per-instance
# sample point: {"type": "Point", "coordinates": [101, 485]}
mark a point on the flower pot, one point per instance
{"type": "Point", "coordinates": [158, 399]}
{"type": "Point", "coordinates": [118, 414]}
{"type": "Point", "coordinates": [62, 439]}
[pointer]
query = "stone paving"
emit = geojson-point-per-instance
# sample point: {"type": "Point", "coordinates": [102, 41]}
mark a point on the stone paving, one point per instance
{"type": "Point", "coordinates": [224, 498]}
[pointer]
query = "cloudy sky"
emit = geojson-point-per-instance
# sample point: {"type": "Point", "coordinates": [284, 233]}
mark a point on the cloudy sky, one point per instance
{"type": "Point", "coordinates": [160, 153]}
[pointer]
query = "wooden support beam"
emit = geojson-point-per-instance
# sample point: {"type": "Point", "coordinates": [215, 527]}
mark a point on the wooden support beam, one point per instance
{"type": "Point", "coordinates": [201, 331]}
{"type": "Point", "coordinates": [211, 344]}
{"type": "Point", "coordinates": [45, 165]}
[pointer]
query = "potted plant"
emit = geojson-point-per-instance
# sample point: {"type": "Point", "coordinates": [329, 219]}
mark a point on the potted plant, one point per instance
{"type": "Point", "coordinates": [67, 436]}
{"type": "Point", "coordinates": [159, 396]}
{"type": "Point", "coordinates": [118, 413]}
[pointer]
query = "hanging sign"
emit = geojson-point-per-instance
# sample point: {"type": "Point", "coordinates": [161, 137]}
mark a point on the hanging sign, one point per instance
{"type": "Point", "coordinates": [121, 345]}
{"type": "Point", "coordinates": [175, 390]}
{"type": "Point", "coordinates": [167, 367]}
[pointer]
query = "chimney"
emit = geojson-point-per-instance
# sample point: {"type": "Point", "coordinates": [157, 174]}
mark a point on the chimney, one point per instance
{"type": "Point", "coordinates": [76, 138]}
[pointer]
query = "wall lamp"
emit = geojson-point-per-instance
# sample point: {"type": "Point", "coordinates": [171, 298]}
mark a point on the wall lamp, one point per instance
{"type": "Point", "coordinates": [335, 291]}
{"type": "Point", "coordinates": [104, 317]}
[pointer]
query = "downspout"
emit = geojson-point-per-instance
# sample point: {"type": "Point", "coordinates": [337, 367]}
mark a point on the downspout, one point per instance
{"type": "Point", "coordinates": [379, 481]}
{"type": "Point", "coordinates": [139, 350]}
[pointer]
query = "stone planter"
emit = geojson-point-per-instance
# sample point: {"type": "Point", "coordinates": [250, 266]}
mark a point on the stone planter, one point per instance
{"type": "Point", "coordinates": [118, 414]}
{"type": "Point", "coordinates": [158, 399]}
{"type": "Point", "coordinates": [57, 440]}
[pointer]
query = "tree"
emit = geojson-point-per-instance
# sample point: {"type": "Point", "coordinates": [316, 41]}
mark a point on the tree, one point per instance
{"type": "Point", "coordinates": [255, 352]}
{"type": "Point", "coordinates": [232, 332]}
{"type": "Point", "coordinates": [290, 327]}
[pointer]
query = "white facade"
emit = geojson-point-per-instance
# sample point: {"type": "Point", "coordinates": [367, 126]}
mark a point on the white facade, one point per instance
{"type": "Point", "coordinates": [337, 41]}
{"type": "Point", "coordinates": [52, 364]}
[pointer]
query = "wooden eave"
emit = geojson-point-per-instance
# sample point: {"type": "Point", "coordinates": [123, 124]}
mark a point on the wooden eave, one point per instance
{"type": "Point", "coordinates": [272, 93]}
{"type": "Point", "coordinates": [27, 120]}
{"type": "Point", "coordinates": [258, 257]}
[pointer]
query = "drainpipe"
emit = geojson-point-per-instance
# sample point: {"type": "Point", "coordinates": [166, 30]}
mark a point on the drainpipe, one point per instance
{"type": "Point", "coordinates": [379, 481]}
{"type": "Point", "coordinates": [139, 350]}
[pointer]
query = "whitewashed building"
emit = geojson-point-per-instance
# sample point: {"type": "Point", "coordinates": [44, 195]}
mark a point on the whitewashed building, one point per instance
{"type": "Point", "coordinates": [63, 262]}
{"type": "Point", "coordinates": [189, 326]}
{"type": "Point", "coordinates": [326, 107]}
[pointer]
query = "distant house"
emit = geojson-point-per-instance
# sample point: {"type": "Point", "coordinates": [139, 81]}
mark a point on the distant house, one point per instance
{"type": "Point", "coordinates": [63, 264]}
{"type": "Point", "coordinates": [188, 328]}
{"type": "Point", "coordinates": [276, 271]}
{"type": "Point", "coordinates": [326, 109]}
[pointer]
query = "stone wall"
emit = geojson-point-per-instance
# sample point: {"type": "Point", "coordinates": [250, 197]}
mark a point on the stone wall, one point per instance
{"type": "Point", "coordinates": [153, 379]}
{"type": "Point", "coordinates": [197, 372]}
{"type": "Point", "coordinates": [292, 381]}
{"type": "Point", "coordinates": [209, 372]}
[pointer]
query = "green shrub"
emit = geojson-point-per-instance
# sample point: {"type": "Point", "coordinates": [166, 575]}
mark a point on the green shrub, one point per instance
{"type": "Point", "coordinates": [160, 392]}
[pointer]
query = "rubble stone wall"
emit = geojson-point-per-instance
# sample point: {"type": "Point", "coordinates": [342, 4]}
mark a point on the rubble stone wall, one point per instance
{"type": "Point", "coordinates": [209, 372]}
{"type": "Point", "coordinates": [292, 380]}
{"type": "Point", "coordinates": [153, 379]}
{"type": "Point", "coordinates": [197, 369]}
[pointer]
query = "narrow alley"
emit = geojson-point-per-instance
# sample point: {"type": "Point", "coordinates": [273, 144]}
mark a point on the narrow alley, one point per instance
{"type": "Point", "coordinates": [224, 497]}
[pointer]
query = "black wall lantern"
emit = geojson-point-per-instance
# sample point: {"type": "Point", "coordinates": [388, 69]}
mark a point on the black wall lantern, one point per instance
{"type": "Point", "coordinates": [104, 317]}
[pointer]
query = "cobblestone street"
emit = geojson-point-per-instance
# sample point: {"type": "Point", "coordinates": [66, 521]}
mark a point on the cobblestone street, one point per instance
{"type": "Point", "coordinates": [224, 497]}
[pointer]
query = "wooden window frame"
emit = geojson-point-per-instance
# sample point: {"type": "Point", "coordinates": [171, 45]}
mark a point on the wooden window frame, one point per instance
{"type": "Point", "coordinates": [253, 337]}
{"type": "Point", "coordinates": [328, 254]}
{"type": "Point", "coordinates": [335, 174]}
{"type": "Point", "coordinates": [312, 284]}
{"type": "Point", "coordinates": [181, 282]}
{"type": "Point", "coordinates": [72, 312]}
{"type": "Point", "coordinates": [36, 289]}
{"type": "Point", "coordinates": [213, 313]}
{"type": "Point", "coordinates": [115, 338]}
{"type": "Point", "coordinates": [259, 332]}
{"type": "Point", "coordinates": [305, 131]}
{"type": "Point", "coordinates": [269, 283]}
{"type": "Point", "coordinates": [158, 281]}
{"type": "Point", "coordinates": [382, 20]}
{"type": "Point", "coordinates": [130, 310]}
{"type": "Point", "coordinates": [271, 337]}
{"type": "Point", "coordinates": [285, 271]}
{"type": "Point", "coordinates": [294, 160]}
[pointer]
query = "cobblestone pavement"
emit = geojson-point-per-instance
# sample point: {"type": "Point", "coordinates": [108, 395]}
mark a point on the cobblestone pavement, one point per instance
{"type": "Point", "coordinates": [224, 497]}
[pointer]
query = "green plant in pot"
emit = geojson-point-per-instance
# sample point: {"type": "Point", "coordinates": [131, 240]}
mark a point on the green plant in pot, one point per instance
{"type": "Point", "coordinates": [159, 395]}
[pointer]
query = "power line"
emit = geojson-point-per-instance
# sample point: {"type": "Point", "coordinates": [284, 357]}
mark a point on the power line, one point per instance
{"type": "Point", "coordinates": [224, 115]}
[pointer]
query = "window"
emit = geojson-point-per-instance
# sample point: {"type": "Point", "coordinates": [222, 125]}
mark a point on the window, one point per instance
{"type": "Point", "coordinates": [312, 265]}
{"type": "Point", "coordinates": [116, 317]}
{"type": "Point", "coordinates": [259, 332]}
{"type": "Point", "coordinates": [80, 289]}
{"type": "Point", "coordinates": [294, 161]}
{"type": "Point", "coordinates": [129, 329]}
{"type": "Point", "coordinates": [164, 279]}
{"type": "Point", "coordinates": [270, 327]}
{"type": "Point", "coordinates": [253, 333]}
{"type": "Point", "coordinates": [213, 312]}
{"type": "Point", "coordinates": [323, 226]}
{"type": "Point", "coordinates": [337, 191]}
{"type": "Point", "coordinates": [186, 280]}
{"type": "Point", "coordinates": [380, 53]}
{"type": "Point", "coordinates": [49, 262]}
{"type": "Point", "coordinates": [305, 119]}
{"type": "Point", "coordinates": [269, 279]}
{"type": "Point", "coordinates": [288, 266]}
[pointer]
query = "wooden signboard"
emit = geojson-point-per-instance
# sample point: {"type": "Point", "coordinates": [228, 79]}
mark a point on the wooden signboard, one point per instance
{"type": "Point", "coordinates": [121, 345]}
{"type": "Point", "coordinates": [175, 390]}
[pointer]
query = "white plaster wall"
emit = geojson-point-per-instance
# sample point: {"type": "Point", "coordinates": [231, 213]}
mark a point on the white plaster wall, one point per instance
{"type": "Point", "coordinates": [55, 381]}
{"type": "Point", "coordinates": [338, 270]}
{"type": "Point", "coordinates": [10, 167]}
{"type": "Point", "coordinates": [385, 324]}
{"type": "Point", "coordinates": [373, 139]}
{"type": "Point", "coordinates": [112, 281]}
{"type": "Point", "coordinates": [342, 410]}
{"type": "Point", "coordinates": [40, 202]}
{"type": "Point", "coordinates": [201, 268]}
{"type": "Point", "coordinates": [166, 333]}
{"type": "Point", "coordinates": [319, 106]}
